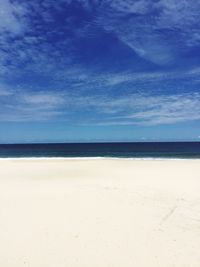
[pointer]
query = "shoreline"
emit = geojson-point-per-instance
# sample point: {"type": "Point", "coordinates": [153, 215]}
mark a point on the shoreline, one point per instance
{"type": "Point", "coordinates": [97, 158]}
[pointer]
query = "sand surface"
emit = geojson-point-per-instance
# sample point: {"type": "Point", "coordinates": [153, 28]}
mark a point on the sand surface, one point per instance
{"type": "Point", "coordinates": [99, 213]}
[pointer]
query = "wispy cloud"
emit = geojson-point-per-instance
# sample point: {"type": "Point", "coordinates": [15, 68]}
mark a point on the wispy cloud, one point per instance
{"type": "Point", "coordinates": [154, 110]}
{"type": "Point", "coordinates": [43, 99]}
{"type": "Point", "coordinates": [11, 14]}
{"type": "Point", "coordinates": [31, 106]}
{"type": "Point", "coordinates": [134, 109]}
{"type": "Point", "coordinates": [5, 91]}
{"type": "Point", "coordinates": [119, 78]}
{"type": "Point", "coordinates": [143, 25]}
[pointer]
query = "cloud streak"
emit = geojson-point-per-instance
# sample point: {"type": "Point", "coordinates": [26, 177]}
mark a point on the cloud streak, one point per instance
{"type": "Point", "coordinates": [135, 109]}
{"type": "Point", "coordinates": [12, 15]}
{"type": "Point", "coordinates": [143, 26]}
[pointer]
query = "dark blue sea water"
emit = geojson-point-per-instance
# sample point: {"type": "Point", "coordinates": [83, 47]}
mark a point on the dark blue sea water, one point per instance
{"type": "Point", "coordinates": [171, 150]}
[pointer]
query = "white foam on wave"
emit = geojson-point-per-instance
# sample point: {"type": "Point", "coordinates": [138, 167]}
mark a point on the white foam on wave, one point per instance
{"type": "Point", "coordinates": [94, 158]}
{"type": "Point", "coordinates": [51, 158]}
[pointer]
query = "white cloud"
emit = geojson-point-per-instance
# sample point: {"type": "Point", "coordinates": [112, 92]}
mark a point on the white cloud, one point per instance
{"type": "Point", "coordinates": [136, 32]}
{"type": "Point", "coordinates": [32, 106]}
{"type": "Point", "coordinates": [11, 13]}
{"type": "Point", "coordinates": [178, 14]}
{"type": "Point", "coordinates": [130, 7]}
{"type": "Point", "coordinates": [154, 110]}
{"type": "Point", "coordinates": [143, 32]}
{"type": "Point", "coordinates": [133, 109]}
{"type": "Point", "coordinates": [44, 99]}
{"type": "Point", "coordinates": [23, 115]}
{"type": "Point", "coordinates": [119, 78]}
{"type": "Point", "coordinates": [5, 90]}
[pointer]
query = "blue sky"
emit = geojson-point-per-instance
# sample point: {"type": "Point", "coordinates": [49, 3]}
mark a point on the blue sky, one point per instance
{"type": "Point", "coordinates": [95, 70]}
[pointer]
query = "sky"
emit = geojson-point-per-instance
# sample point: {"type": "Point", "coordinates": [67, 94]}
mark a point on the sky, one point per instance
{"type": "Point", "coordinates": [99, 70]}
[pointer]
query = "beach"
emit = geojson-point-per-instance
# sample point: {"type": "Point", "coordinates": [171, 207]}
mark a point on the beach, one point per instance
{"type": "Point", "coordinates": [99, 213]}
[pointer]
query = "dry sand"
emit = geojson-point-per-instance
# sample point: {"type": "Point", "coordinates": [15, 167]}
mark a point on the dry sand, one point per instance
{"type": "Point", "coordinates": [99, 213]}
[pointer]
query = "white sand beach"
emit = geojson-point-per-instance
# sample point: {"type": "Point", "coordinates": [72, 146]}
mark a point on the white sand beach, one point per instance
{"type": "Point", "coordinates": [99, 213]}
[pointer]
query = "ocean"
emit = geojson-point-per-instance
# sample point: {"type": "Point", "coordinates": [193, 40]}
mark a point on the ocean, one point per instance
{"type": "Point", "coordinates": [135, 150]}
